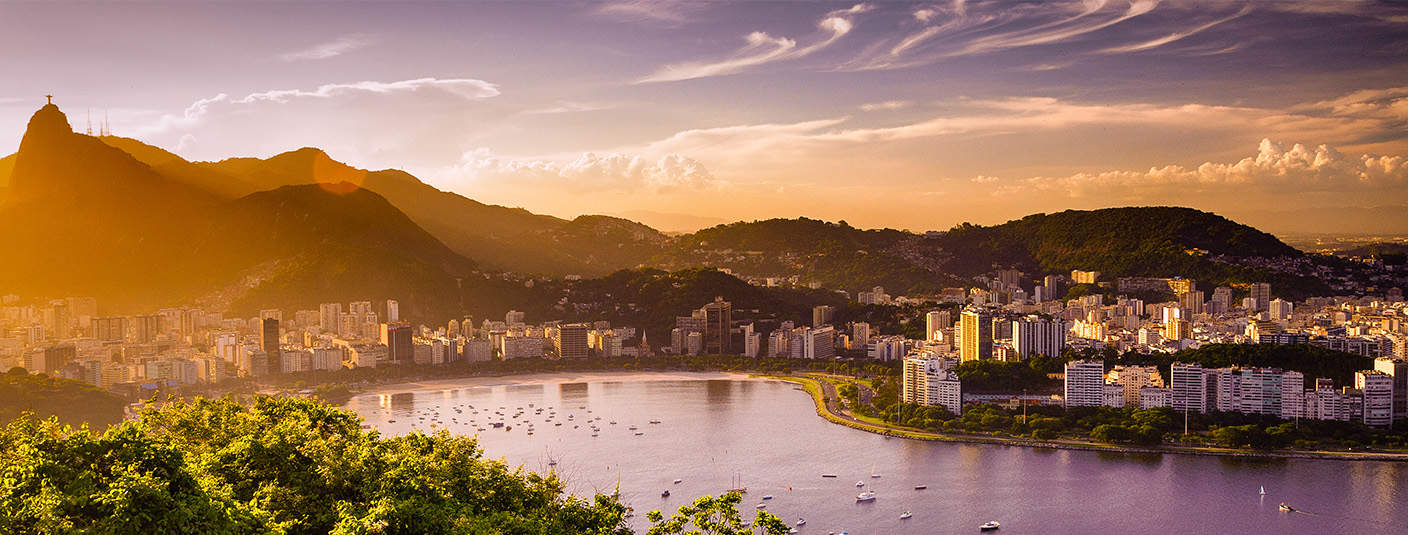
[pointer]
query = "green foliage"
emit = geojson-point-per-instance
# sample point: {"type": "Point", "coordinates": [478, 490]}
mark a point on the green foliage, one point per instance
{"type": "Point", "coordinates": [1309, 360]}
{"type": "Point", "coordinates": [72, 402]}
{"type": "Point", "coordinates": [279, 466]}
{"type": "Point", "coordinates": [714, 516]}
{"type": "Point", "coordinates": [994, 376]}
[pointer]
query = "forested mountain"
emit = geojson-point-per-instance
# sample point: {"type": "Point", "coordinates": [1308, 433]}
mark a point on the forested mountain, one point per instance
{"type": "Point", "coordinates": [502, 238]}
{"type": "Point", "coordinates": [90, 219]}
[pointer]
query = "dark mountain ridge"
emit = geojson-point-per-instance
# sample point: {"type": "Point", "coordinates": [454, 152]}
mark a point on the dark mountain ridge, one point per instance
{"type": "Point", "coordinates": [95, 220]}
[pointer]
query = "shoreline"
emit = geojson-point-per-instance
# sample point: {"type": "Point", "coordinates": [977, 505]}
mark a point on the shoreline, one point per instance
{"type": "Point", "coordinates": [553, 377]}
{"type": "Point", "coordinates": [814, 387]}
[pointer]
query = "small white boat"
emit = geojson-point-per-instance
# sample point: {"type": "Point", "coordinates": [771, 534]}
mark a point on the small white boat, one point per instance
{"type": "Point", "coordinates": [866, 496]}
{"type": "Point", "coordinates": [677, 481]}
{"type": "Point", "coordinates": [920, 487]}
{"type": "Point", "coordinates": [1263, 490]}
{"type": "Point", "coordinates": [761, 506]}
{"type": "Point", "coordinates": [860, 483]}
{"type": "Point", "coordinates": [1286, 508]}
{"type": "Point", "coordinates": [801, 521]}
{"type": "Point", "coordinates": [905, 515]}
{"type": "Point", "coordinates": [767, 496]}
{"type": "Point", "coordinates": [990, 526]}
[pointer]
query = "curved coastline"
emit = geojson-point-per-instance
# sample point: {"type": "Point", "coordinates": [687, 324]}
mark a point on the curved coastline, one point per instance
{"type": "Point", "coordinates": [814, 388]}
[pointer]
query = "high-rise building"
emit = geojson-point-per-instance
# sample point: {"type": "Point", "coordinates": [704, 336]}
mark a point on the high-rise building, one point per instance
{"type": "Point", "coordinates": [1280, 309]}
{"type": "Point", "coordinates": [860, 335]}
{"type": "Point", "coordinates": [819, 343]}
{"type": "Point", "coordinates": [1035, 335]}
{"type": "Point", "coordinates": [976, 335]}
{"type": "Point", "coordinates": [1292, 395]}
{"type": "Point", "coordinates": [1178, 329]}
{"type": "Point", "coordinates": [1084, 277]}
{"type": "Point", "coordinates": [514, 317]}
{"type": "Point", "coordinates": [393, 311]}
{"type": "Point", "coordinates": [398, 340]}
{"type": "Point", "coordinates": [61, 319]}
{"type": "Point", "coordinates": [929, 382]}
{"type": "Point", "coordinates": [330, 316]}
{"type": "Point", "coordinates": [1052, 289]}
{"type": "Point", "coordinates": [1221, 300]}
{"type": "Point", "coordinates": [1260, 391]}
{"type": "Point", "coordinates": [1397, 368]}
{"type": "Point", "coordinates": [1377, 389]}
{"type": "Point", "coordinates": [269, 337]}
{"type": "Point", "coordinates": [935, 322]}
{"type": "Point", "coordinates": [822, 315]}
{"type": "Point", "coordinates": [1189, 388]}
{"type": "Point", "coordinates": [1132, 379]}
{"type": "Point", "coordinates": [146, 328]}
{"type": "Point", "coordinates": [1085, 383]}
{"type": "Point", "coordinates": [571, 341]}
{"type": "Point", "coordinates": [1191, 301]}
{"type": "Point", "coordinates": [1261, 296]}
{"type": "Point", "coordinates": [718, 319]}
{"type": "Point", "coordinates": [359, 308]}
{"type": "Point", "coordinates": [108, 329]}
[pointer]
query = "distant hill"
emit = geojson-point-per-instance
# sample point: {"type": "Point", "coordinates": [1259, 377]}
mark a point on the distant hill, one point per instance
{"type": "Point", "coordinates": [833, 254]}
{"type": "Point", "coordinates": [510, 239]}
{"type": "Point", "coordinates": [149, 232]}
{"type": "Point", "coordinates": [1138, 241]}
{"type": "Point", "coordinates": [1152, 241]}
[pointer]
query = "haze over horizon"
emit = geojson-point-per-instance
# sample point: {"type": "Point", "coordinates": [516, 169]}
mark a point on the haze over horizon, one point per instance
{"type": "Point", "coordinates": [908, 115]}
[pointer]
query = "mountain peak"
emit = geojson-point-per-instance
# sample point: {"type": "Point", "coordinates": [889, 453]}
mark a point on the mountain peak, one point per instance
{"type": "Point", "coordinates": [47, 124]}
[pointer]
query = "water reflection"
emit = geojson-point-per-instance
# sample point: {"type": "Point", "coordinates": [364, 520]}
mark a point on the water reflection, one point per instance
{"type": "Point", "coordinates": [768, 434]}
{"type": "Point", "coordinates": [571, 393]}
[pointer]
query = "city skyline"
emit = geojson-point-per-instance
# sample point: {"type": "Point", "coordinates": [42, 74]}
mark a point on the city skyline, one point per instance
{"type": "Point", "coordinates": [883, 114]}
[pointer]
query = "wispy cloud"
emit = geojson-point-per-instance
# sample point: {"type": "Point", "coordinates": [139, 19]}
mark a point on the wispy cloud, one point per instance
{"type": "Point", "coordinates": [1086, 21]}
{"type": "Point", "coordinates": [330, 49]}
{"type": "Point", "coordinates": [568, 106]}
{"type": "Point", "coordinates": [760, 48]}
{"type": "Point", "coordinates": [1175, 36]}
{"type": "Point", "coordinates": [463, 88]}
{"type": "Point", "coordinates": [885, 105]}
{"type": "Point", "coordinates": [669, 12]}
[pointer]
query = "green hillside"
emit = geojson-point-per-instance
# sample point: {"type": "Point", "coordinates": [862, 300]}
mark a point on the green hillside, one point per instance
{"type": "Point", "coordinates": [72, 402]}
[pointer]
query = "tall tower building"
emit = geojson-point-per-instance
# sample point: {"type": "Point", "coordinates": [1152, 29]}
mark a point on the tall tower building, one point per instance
{"type": "Point", "coordinates": [571, 341]}
{"type": "Point", "coordinates": [269, 335]}
{"type": "Point", "coordinates": [822, 315]}
{"type": "Point", "coordinates": [330, 316]}
{"type": "Point", "coordinates": [1397, 368]}
{"type": "Point", "coordinates": [1261, 295]}
{"type": "Point", "coordinates": [976, 338]}
{"type": "Point", "coordinates": [935, 322]}
{"type": "Point", "coordinates": [718, 318]}
{"type": "Point", "coordinates": [1035, 335]}
{"type": "Point", "coordinates": [1085, 383]}
{"type": "Point", "coordinates": [393, 311]}
{"type": "Point", "coordinates": [399, 346]}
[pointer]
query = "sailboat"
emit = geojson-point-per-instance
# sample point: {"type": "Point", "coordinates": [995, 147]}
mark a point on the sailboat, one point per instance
{"type": "Point", "coordinates": [738, 485]}
{"type": "Point", "coordinates": [1263, 490]}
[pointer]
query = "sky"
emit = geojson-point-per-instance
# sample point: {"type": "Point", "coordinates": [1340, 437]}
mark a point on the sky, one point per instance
{"type": "Point", "coordinates": [681, 114]}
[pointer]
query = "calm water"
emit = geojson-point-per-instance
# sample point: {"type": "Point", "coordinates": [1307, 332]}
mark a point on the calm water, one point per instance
{"type": "Point", "coordinates": [715, 432]}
